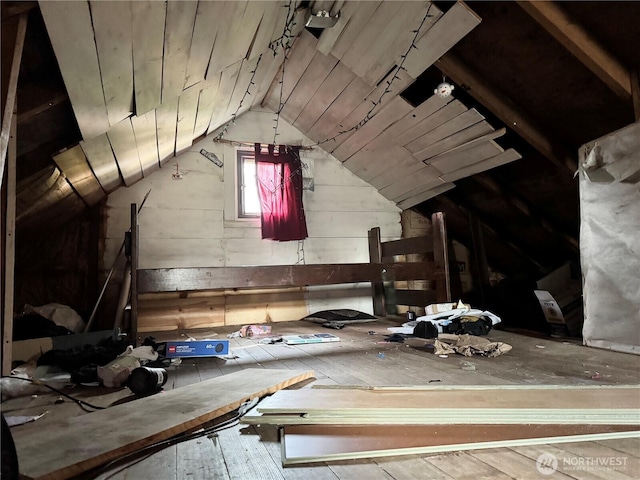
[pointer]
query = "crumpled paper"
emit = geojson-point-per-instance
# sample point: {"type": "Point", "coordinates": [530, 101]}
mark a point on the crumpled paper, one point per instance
{"type": "Point", "coordinates": [469, 345]}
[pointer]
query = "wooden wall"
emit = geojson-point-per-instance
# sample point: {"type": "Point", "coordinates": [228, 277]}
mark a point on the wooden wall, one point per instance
{"type": "Point", "coordinates": [191, 222]}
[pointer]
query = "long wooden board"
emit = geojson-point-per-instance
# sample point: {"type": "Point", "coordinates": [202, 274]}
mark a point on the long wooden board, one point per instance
{"type": "Point", "coordinates": [186, 279]}
{"type": "Point", "coordinates": [314, 443]}
{"type": "Point", "coordinates": [100, 156]}
{"type": "Point", "coordinates": [73, 164]}
{"type": "Point", "coordinates": [87, 441]}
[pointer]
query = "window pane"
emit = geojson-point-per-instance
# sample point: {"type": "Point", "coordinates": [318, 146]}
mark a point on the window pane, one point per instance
{"type": "Point", "coordinates": [250, 200]}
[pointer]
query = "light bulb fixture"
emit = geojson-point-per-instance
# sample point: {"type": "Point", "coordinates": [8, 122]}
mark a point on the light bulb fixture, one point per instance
{"type": "Point", "coordinates": [321, 19]}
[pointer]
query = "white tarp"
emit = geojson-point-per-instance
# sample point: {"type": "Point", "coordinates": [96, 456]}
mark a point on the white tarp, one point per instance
{"type": "Point", "coordinates": [610, 240]}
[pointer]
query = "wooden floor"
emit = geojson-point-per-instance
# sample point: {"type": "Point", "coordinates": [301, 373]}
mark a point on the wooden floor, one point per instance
{"type": "Point", "coordinates": [362, 357]}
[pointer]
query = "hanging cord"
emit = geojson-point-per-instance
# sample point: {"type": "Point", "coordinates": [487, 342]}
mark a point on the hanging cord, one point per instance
{"type": "Point", "coordinates": [246, 92]}
{"type": "Point", "coordinates": [81, 403]}
{"type": "Point", "coordinates": [301, 259]}
{"type": "Point", "coordinates": [149, 450]}
{"type": "Point", "coordinates": [387, 89]}
{"type": "Point", "coordinates": [285, 43]}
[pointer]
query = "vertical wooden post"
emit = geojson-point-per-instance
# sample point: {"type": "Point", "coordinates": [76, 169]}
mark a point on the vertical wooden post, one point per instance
{"type": "Point", "coordinates": [9, 252]}
{"type": "Point", "coordinates": [635, 92]}
{"type": "Point", "coordinates": [377, 288]}
{"type": "Point", "coordinates": [134, 274]}
{"type": "Point", "coordinates": [9, 106]}
{"type": "Point", "coordinates": [441, 257]}
{"type": "Point", "coordinates": [479, 256]}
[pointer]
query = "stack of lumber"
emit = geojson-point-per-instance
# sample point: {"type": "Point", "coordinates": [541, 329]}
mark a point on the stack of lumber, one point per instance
{"type": "Point", "coordinates": [76, 445]}
{"type": "Point", "coordinates": [348, 423]}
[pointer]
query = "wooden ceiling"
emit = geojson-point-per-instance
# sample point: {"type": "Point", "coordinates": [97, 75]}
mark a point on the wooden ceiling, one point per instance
{"type": "Point", "coordinates": [125, 86]}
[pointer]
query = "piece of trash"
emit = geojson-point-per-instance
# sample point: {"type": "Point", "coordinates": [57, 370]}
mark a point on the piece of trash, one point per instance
{"type": "Point", "coordinates": [540, 346]}
{"type": "Point", "coordinates": [434, 381]}
{"type": "Point", "coordinates": [334, 325]}
{"type": "Point", "coordinates": [443, 356]}
{"type": "Point", "coordinates": [251, 331]}
{"type": "Point", "coordinates": [468, 366]}
{"type": "Point", "coordinates": [271, 340]}
{"type": "Point", "coordinates": [21, 420]}
{"type": "Point", "coordinates": [59, 400]}
{"type": "Point", "coordinates": [380, 355]}
{"type": "Point", "coordinates": [596, 376]}
{"type": "Point", "coordinates": [371, 332]}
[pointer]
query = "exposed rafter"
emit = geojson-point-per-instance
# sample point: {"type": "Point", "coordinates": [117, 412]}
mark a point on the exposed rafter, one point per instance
{"type": "Point", "coordinates": [581, 44]}
{"type": "Point", "coordinates": [506, 111]}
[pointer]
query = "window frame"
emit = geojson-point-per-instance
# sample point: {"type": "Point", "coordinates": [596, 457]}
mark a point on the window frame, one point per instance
{"type": "Point", "coordinates": [241, 156]}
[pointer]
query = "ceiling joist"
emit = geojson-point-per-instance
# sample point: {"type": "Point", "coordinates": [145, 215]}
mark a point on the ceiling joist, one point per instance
{"type": "Point", "coordinates": [581, 44]}
{"type": "Point", "coordinates": [506, 111]}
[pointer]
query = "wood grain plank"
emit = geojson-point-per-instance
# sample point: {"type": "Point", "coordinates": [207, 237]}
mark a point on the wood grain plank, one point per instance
{"type": "Point", "coordinates": [475, 133]}
{"type": "Point", "coordinates": [225, 90]}
{"type": "Point", "coordinates": [123, 143]}
{"type": "Point", "coordinates": [505, 157]}
{"type": "Point", "coordinates": [349, 99]}
{"type": "Point", "coordinates": [335, 83]}
{"type": "Point", "coordinates": [206, 104]}
{"type": "Point", "coordinates": [166, 122]}
{"type": "Point", "coordinates": [267, 71]}
{"type": "Point", "coordinates": [404, 25]}
{"type": "Point", "coordinates": [457, 22]}
{"type": "Point", "coordinates": [308, 84]}
{"type": "Point", "coordinates": [299, 58]}
{"type": "Point", "coordinates": [452, 161]}
{"type": "Point", "coordinates": [375, 28]}
{"type": "Point", "coordinates": [402, 165]}
{"type": "Point", "coordinates": [390, 112]}
{"type": "Point", "coordinates": [456, 124]}
{"type": "Point", "coordinates": [420, 113]}
{"type": "Point", "coordinates": [378, 155]}
{"type": "Point", "coordinates": [73, 164]}
{"type": "Point", "coordinates": [114, 41]}
{"type": "Point", "coordinates": [177, 42]}
{"type": "Point", "coordinates": [148, 45]}
{"type": "Point", "coordinates": [272, 19]}
{"type": "Point", "coordinates": [419, 196]}
{"type": "Point", "coordinates": [424, 176]}
{"type": "Point", "coordinates": [144, 128]}
{"type": "Point", "coordinates": [187, 109]}
{"type": "Point", "coordinates": [205, 29]}
{"type": "Point", "coordinates": [356, 24]}
{"type": "Point", "coordinates": [446, 113]}
{"type": "Point", "coordinates": [75, 49]}
{"type": "Point", "coordinates": [100, 156]}
{"type": "Point", "coordinates": [224, 51]}
{"type": "Point", "coordinates": [330, 36]}
{"type": "Point", "coordinates": [82, 445]}
{"type": "Point", "coordinates": [240, 100]}
{"type": "Point", "coordinates": [360, 111]}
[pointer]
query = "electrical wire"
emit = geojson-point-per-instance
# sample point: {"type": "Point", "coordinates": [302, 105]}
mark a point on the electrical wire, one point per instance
{"type": "Point", "coordinates": [81, 403]}
{"type": "Point", "coordinates": [180, 438]}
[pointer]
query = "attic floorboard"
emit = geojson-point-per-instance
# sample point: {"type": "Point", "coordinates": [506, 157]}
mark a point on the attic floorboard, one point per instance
{"type": "Point", "coordinates": [362, 358]}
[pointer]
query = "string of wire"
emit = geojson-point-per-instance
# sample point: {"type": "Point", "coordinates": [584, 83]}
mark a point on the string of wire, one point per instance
{"type": "Point", "coordinates": [284, 42]}
{"type": "Point", "coordinates": [246, 92]}
{"type": "Point", "coordinates": [400, 67]}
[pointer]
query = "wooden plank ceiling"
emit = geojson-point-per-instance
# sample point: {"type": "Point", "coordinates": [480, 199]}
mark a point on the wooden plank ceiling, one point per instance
{"type": "Point", "coordinates": [141, 95]}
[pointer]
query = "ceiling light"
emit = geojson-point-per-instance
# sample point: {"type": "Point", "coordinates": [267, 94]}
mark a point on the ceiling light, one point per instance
{"type": "Point", "coordinates": [321, 19]}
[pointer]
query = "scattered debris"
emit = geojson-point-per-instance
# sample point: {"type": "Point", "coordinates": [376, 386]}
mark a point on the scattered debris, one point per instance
{"type": "Point", "coordinates": [469, 366]}
{"type": "Point", "coordinates": [469, 345]}
{"type": "Point", "coordinates": [443, 356]}
{"type": "Point", "coordinates": [380, 355]}
{"type": "Point", "coordinates": [12, 421]}
{"type": "Point", "coordinates": [540, 346]}
{"type": "Point", "coordinates": [251, 331]}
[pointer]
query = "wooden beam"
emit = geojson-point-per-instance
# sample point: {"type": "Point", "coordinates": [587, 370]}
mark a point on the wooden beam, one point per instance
{"type": "Point", "coordinates": [513, 199]}
{"type": "Point", "coordinates": [635, 92]}
{"type": "Point", "coordinates": [212, 278]}
{"type": "Point", "coordinates": [375, 256]}
{"type": "Point", "coordinates": [508, 112]}
{"type": "Point", "coordinates": [9, 105]}
{"type": "Point", "coordinates": [581, 44]}
{"type": "Point", "coordinates": [9, 253]}
{"type": "Point", "coordinates": [135, 247]}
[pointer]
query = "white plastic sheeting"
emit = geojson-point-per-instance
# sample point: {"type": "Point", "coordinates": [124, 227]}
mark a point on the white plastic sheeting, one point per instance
{"type": "Point", "coordinates": [610, 240]}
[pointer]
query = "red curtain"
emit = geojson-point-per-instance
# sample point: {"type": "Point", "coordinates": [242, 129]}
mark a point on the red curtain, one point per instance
{"type": "Point", "coordinates": [279, 174]}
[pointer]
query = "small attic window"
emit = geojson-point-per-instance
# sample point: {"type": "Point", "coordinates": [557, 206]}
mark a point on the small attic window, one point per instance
{"type": "Point", "coordinates": [247, 185]}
